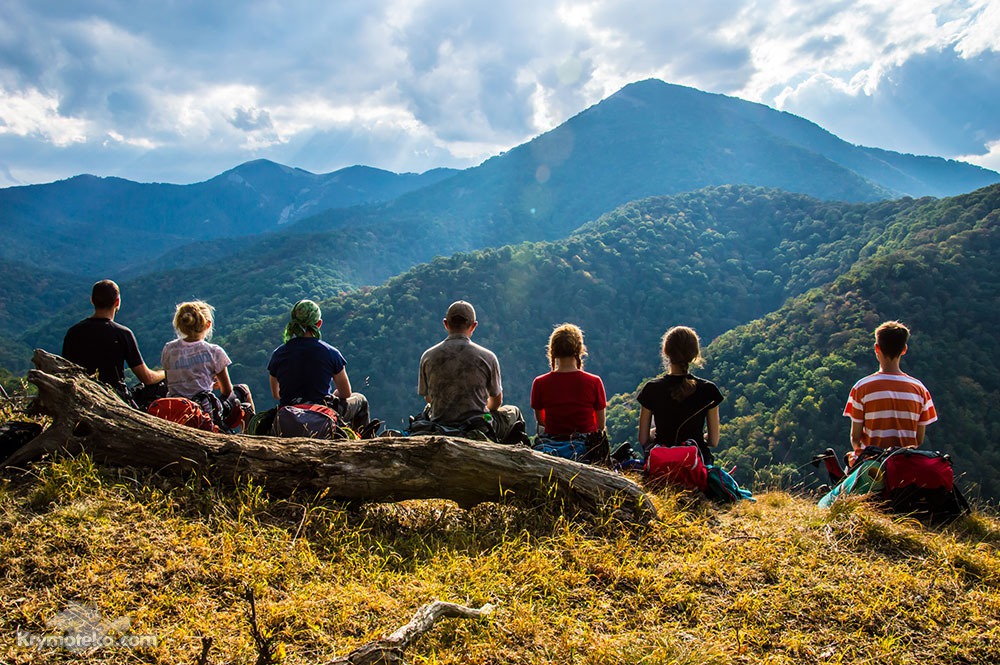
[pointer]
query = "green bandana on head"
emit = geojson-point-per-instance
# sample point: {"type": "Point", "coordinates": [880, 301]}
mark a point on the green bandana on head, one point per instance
{"type": "Point", "coordinates": [304, 318]}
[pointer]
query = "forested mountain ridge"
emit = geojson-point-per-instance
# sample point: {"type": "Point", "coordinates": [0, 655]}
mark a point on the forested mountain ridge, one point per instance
{"type": "Point", "coordinates": [31, 297]}
{"type": "Point", "coordinates": [788, 374]}
{"type": "Point", "coordinates": [715, 259]}
{"type": "Point", "coordinates": [58, 223]}
{"type": "Point", "coordinates": [648, 139]}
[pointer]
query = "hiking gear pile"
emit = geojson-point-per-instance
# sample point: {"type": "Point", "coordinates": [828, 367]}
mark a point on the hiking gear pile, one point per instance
{"type": "Point", "coordinates": [205, 411]}
{"type": "Point", "coordinates": [313, 421]}
{"type": "Point", "coordinates": [906, 480]}
{"type": "Point", "coordinates": [684, 466]}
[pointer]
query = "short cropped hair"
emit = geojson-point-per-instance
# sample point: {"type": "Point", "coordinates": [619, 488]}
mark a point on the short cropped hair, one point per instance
{"type": "Point", "coordinates": [566, 341]}
{"type": "Point", "coordinates": [891, 338]}
{"type": "Point", "coordinates": [104, 294]}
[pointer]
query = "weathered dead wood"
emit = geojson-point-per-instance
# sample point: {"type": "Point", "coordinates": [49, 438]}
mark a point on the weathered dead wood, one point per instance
{"type": "Point", "coordinates": [87, 416]}
{"type": "Point", "coordinates": [389, 650]}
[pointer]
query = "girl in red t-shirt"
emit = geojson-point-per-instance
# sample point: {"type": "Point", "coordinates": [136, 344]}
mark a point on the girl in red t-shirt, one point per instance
{"type": "Point", "coordinates": [568, 400]}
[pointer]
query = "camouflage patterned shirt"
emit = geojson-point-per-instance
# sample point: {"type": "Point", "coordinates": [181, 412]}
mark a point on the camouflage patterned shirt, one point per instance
{"type": "Point", "coordinates": [458, 376]}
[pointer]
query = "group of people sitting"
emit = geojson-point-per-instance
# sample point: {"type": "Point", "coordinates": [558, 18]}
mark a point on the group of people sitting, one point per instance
{"type": "Point", "coordinates": [461, 381]}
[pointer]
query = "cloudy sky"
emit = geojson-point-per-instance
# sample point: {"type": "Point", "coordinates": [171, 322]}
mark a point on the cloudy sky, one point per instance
{"type": "Point", "coordinates": [181, 90]}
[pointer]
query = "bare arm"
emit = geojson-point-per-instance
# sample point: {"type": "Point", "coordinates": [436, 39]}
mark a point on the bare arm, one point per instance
{"type": "Point", "coordinates": [857, 435]}
{"type": "Point", "coordinates": [224, 382]}
{"type": "Point", "coordinates": [539, 421]}
{"type": "Point", "coordinates": [712, 420]}
{"type": "Point", "coordinates": [494, 402]}
{"type": "Point", "coordinates": [645, 421]}
{"type": "Point", "coordinates": [275, 388]}
{"type": "Point", "coordinates": [146, 375]}
{"type": "Point", "coordinates": [601, 419]}
{"type": "Point", "coordinates": [343, 383]}
{"type": "Point", "coordinates": [920, 435]}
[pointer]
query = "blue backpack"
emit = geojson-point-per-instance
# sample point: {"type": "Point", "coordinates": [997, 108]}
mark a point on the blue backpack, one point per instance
{"type": "Point", "coordinates": [720, 486]}
{"type": "Point", "coordinates": [573, 449]}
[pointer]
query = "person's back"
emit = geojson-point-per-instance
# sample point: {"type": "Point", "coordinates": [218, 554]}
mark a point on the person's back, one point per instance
{"type": "Point", "coordinates": [307, 370]}
{"type": "Point", "coordinates": [304, 368]}
{"type": "Point", "coordinates": [99, 344]}
{"type": "Point", "coordinates": [568, 400]}
{"type": "Point", "coordinates": [680, 405]}
{"type": "Point", "coordinates": [889, 408]}
{"type": "Point", "coordinates": [460, 379]}
{"type": "Point", "coordinates": [194, 367]}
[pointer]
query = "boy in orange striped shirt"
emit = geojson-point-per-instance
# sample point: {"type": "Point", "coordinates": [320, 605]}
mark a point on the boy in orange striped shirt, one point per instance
{"type": "Point", "coordinates": [889, 408]}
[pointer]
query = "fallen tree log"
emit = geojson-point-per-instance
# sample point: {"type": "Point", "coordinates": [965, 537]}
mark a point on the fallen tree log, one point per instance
{"type": "Point", "coordinates": [87, 416]}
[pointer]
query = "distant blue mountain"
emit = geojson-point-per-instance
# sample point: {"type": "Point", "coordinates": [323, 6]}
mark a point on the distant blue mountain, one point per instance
{"type": "Point", "coordinates": [97, 225]}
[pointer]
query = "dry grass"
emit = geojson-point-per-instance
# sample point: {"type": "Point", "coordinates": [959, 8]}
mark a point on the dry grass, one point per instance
{"type": "Point", "coordinates": [777, 581]}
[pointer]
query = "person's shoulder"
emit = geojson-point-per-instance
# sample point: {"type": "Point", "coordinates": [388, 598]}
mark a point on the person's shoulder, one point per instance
{"type": "Point", "coordinates": [704, 382]}
{"type": "Point", "coordinates": [654, 385]}
{"type": "Point", "coordinates": [865, 380]}
{"type": "Point", "coordinates": [482, 350]}
{"type": "Point", "coordinates": [76, 329]}
{"type": "Point", "coordinates": [117, 326]}
{"type": "Point", "coordinates": [917, 382]}
{"type": "Point", "coordinates": [330, 348]}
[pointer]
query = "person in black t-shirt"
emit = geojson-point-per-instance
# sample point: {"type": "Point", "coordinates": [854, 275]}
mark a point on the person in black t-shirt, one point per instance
{"type": "Point", "coordinates": [98, 344]}
{"type": "Point", "coordinates": [681, 406]}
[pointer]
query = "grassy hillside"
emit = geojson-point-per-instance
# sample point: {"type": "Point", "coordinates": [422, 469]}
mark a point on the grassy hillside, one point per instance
{"type": "Point", "coordinates": [777, 581]}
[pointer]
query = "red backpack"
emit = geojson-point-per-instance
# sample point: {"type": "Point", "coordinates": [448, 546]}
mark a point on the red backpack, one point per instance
{"type": "Point", "coordinates": [922, 482]}
{"type": "Point", "coordinates": [184, 412]}
{"type": "Point", "coordinates": [678, 465]}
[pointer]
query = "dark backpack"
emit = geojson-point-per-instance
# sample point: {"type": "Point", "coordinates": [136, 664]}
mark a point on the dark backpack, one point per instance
{"type": "Point", "coordinates": [313, 421]}
{"type": "Point", "coordinates": [477, 428]}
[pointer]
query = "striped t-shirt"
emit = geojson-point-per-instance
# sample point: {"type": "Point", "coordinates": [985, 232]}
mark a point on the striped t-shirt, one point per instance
{"type": "Point", "coordinates": [891, 406]}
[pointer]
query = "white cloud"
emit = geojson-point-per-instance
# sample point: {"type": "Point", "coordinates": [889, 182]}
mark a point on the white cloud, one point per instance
{"type": "Point", "coordinates": [155, 90]}
{"type": "Point", "coordinates": [34, 114]}
{"type": "Point", "coordinates": [989, 160]}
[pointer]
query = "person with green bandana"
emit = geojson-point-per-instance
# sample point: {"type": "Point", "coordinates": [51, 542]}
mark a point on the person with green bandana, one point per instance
{"type": "Point", "coordinates": [307, 370]}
